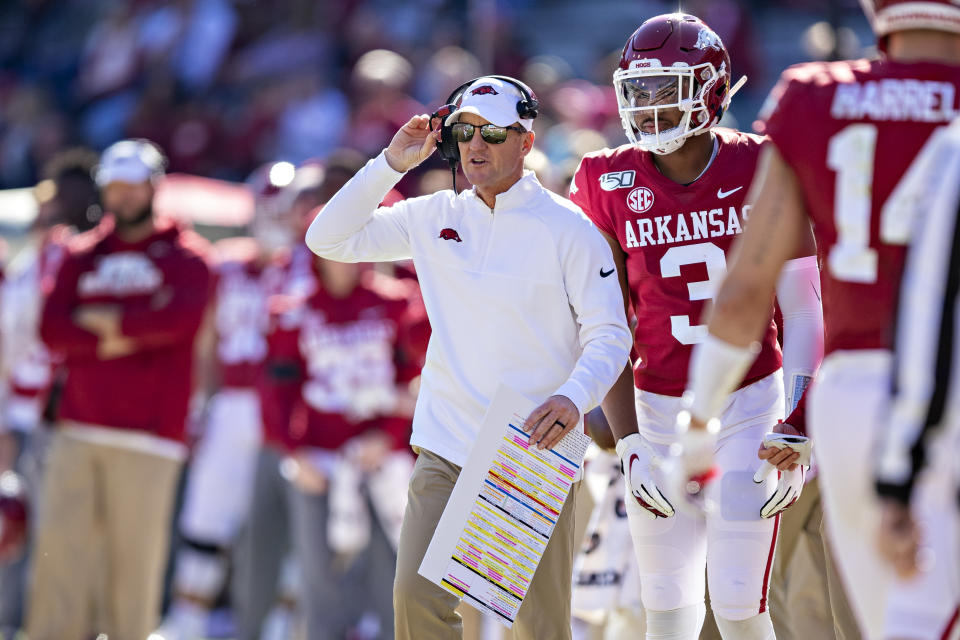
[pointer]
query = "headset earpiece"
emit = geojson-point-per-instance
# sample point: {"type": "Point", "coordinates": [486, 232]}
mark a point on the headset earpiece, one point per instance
{"type": "Point", "coordinates": [529, 107]}
{"type": "Point", "coordinates": [446, 145]}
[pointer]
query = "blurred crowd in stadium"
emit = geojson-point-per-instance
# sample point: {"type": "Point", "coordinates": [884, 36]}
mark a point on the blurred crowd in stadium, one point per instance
{"type": "Point", "coordinates": [225, 86]}
{"type": "Point", "coordinates": [292, 96]}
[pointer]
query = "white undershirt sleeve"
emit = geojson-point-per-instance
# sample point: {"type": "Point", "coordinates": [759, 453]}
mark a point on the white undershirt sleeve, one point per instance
{"type": "Point", "coordinates": [798, 294]}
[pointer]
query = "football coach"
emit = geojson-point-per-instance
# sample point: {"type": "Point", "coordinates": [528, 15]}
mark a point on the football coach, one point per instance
{"type": "Point", "coordinates": [516, 287]}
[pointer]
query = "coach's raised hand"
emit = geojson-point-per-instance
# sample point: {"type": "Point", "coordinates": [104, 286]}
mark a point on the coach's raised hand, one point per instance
{"type": "Point", "coordinates": [412, 144]}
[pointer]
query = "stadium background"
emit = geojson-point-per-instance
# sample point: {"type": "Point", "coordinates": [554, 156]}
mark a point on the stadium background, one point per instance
{"type": "Point", "coordinates": [224, 86]}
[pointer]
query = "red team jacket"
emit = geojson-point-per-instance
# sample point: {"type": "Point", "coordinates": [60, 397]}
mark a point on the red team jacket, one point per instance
{"type": "Point", "coordinates": [676, 239]}
{"type": "Point", "coordinates": [850, 130]}
{"type": "Point", "coordinates": [161, 285]}
{"type": "Point", "coordinates": [346, 356]}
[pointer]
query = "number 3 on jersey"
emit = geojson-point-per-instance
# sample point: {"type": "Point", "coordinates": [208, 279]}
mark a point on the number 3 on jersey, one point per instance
{"type": "Point", "coordinates": [851, 155]}
{"type": "Point", "coordinates": [716, 261]}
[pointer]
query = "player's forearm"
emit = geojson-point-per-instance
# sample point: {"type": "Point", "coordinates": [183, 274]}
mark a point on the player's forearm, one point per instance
{"type": "Point", "coordinates": [619, 405]}
{"type": "Point", "coordinates": [776, 232]}
{"type": "Point", "coordinates": [175, 322]}
{"type": "Point", "coordinates": [740, 313]}
{"type": "Point", "coordinates": [58, 330]}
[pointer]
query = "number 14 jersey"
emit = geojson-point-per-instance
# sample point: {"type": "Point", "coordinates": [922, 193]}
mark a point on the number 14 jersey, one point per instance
{"type": "Point", "coordinates": [850, 131]}
{"type": "Point", "coordinates": [676, 239]}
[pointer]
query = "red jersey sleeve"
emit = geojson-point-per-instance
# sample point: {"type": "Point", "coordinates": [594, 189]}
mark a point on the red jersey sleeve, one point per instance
{"type": "Point", "coordinates": [283, 374]}
{"type": "Point", "coordinates": [583, 194]}
{"type": "Point", "coordinates": [57, 329]}
{"type": "Point", "coordinates": [798, 419]}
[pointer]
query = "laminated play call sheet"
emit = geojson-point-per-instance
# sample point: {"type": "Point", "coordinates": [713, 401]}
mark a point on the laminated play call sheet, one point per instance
{"type": "Point", "coordinates": [502, 511]}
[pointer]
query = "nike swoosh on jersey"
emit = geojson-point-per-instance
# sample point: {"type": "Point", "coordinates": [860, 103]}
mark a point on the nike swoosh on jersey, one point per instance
{"type": "Point", "coordinates": [605, 274]}
{"type": "Point", "coordinates": [721, 194]}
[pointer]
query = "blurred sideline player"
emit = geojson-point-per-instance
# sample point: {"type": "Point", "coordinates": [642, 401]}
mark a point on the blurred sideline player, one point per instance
{"type": "Point", "coordinates": [671, 204]}
{"type": "Point", "coordinates": [923, 416]}
{"type": "Point", "coordinates": [344, 348]}
{"type": "Point", "coordinates": [67, 201]}
{"type": "Point", "coordinates": [844, 135]}
{"type": "Point", "coordinates": [233, 348]}
{"type": "Point", "coordinates": [266, 580]}
{"type": "Point", "coordinates": [124, 312]}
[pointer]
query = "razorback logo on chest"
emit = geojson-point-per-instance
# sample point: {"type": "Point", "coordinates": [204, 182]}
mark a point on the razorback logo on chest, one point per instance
{"type": "Point", "coordinates": [121, 274]}
{"type": "Point", "coordinates": [684, 227]}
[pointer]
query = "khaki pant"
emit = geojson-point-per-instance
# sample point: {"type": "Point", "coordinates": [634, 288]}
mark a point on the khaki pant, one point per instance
{"type": "Point", "coordinates": [101, 544]}
{"type": "Point", "coordinates": [806, 597]}
{"type": "Point", "coordinates": [424, 610]}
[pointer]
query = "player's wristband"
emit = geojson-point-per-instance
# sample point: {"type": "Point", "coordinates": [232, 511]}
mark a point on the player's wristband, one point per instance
{"type": "Point", "coordinates": [716, 368]}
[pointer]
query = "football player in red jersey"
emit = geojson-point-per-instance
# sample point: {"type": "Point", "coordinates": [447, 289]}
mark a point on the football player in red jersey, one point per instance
{"type": "Point", "coordinates": [344, 348]}
{"type": "Point", "coordinates": [844, 135]}
{"type": "Point", "coordinates": [233, 347]}
{"type": "Point", "coordinates": [671, 204]}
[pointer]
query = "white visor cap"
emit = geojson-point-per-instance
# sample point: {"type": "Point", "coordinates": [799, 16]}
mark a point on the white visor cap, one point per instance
{"type": "Point", "coordinates": [494, 100]}
{"type": "Point", "coordinates": [131, 161]}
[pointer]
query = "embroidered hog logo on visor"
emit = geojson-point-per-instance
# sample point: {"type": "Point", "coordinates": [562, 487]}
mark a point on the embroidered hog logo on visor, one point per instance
{"type": "Point", "coordinates": [484, 90]}
{"type": "Point", "coordinates": [450, 234]}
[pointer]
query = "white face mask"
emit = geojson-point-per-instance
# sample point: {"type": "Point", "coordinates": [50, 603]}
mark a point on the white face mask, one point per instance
{"type": "Point", "coordinates": [645, 91]}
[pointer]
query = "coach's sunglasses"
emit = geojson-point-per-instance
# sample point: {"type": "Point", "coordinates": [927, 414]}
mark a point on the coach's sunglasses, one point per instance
{"type": "Point", "coordinates": [491, 133]}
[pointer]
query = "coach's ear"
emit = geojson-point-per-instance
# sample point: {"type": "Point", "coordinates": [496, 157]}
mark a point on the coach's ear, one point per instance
{"type": "Point", "coordinates": [526, 143]}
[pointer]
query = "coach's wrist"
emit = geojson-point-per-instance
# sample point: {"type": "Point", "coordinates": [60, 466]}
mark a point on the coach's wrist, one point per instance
{"type": "Point", "coordinates": [393, 162]}
{"type": "Point", "coordinates": [575, 394]}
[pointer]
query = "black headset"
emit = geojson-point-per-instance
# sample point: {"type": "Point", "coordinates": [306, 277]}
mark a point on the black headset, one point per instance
{"type": "Point", "coordinates": [527, 109]}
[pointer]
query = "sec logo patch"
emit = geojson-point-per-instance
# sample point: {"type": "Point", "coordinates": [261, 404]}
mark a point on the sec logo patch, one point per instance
{"type": "Point", "coordinates": [640, 200]}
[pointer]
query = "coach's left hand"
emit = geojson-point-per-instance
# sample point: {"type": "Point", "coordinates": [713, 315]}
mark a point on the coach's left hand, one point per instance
{"type": "Point", "coordinates": [551, 421]}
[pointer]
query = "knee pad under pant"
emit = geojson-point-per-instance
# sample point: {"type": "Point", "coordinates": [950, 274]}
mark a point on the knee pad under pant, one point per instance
{"type": "Point", "coordinates": [677, 624]}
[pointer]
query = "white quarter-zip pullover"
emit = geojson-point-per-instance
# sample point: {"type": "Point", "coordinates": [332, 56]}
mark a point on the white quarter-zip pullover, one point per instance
{"type": "Point", "coordinates": [525, 294]}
